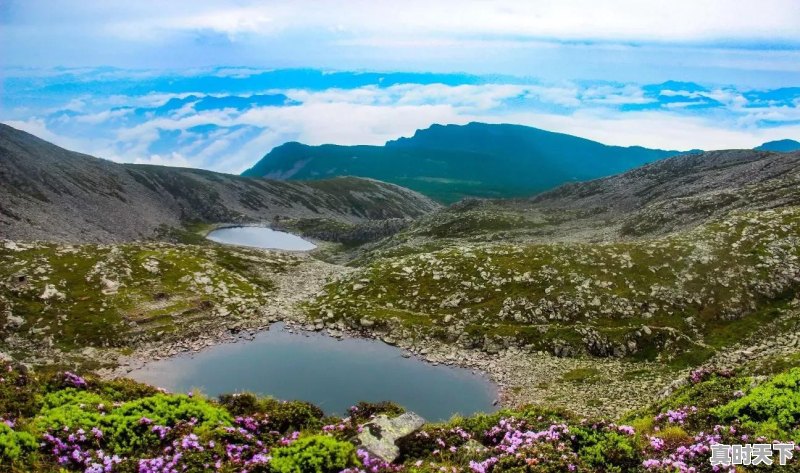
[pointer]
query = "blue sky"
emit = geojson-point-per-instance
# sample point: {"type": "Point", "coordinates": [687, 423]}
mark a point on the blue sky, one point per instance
{"type": "Point", "coordinates": [217, 84]}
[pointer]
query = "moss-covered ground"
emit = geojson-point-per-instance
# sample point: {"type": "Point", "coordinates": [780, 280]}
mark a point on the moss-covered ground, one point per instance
{"type": "Point", "coordinates": [73, 297]}
{"type": "Point", "coordinates": [678, 298]}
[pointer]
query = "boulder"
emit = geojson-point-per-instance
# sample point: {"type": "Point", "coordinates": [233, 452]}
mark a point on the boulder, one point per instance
{"type": "Point", "coordinates": [109, 286]}
{"type": "Point", "coordinates": [51, 292]}
{"type": "Point", "coordinates": [379, 435]}
{"type": "Point", "coordinates": [13, 322]}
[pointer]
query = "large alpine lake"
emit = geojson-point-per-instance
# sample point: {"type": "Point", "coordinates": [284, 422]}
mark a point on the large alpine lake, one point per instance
{"type": "Point", "coordinates": [260, 237]}
{"type": "Point", "coordinates": [333, 374]}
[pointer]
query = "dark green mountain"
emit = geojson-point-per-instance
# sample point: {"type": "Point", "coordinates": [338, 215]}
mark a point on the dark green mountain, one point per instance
{"type": "Point", "coordinates": [449, 162]}
{"type": "Point", "coordinates": [782, 146]}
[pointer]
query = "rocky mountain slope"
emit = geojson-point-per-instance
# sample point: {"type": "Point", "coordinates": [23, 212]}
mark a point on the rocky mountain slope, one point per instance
{"type": "Point", "coordinates": [666, 262]}
{"type": "Point", "coordinates": [49, 193]}
{"type": "Point", "coordinates": [450, 162]}
{"type": "Point", "coordinates": [654, 200]}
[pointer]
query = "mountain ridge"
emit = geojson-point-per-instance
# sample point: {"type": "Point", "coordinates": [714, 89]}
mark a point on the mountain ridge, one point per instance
{"type": "Point", "coordinates": [449, 162]}
{"type": "Point", "coordinates": [783, 146]}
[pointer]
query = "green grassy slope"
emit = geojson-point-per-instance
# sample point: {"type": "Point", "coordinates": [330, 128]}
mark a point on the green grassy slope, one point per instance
{"type": "Point", "coordinates": [678, 297]}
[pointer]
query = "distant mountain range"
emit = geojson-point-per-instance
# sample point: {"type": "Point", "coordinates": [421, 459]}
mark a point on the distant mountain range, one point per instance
{"type": "Point", "coordinates": [783, 146]}
{"type": "Point", "coordinates": [449, 162]}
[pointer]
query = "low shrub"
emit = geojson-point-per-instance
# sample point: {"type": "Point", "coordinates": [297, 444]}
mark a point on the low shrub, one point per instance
{"type": "Point", "coordinates": [292, 415]}
{"type": "Point", "coordinates": [240, 404]}
{"type": "Point", "coordinates": [363, 411]}
{"type": "Point", "coordinates": [314, 454]}
{"type": "Point", "coordinates": [15, 446]}
{"type": "Point", "coordinates": [18, 391]}
{"type": "Point", "coordinates": [605, 449]}
{"type": "Point", "coordinates": [771, 409]}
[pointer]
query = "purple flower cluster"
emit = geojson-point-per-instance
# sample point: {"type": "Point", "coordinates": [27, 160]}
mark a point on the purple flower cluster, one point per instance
{"type": "Point", "coordinates": [72, 379]}
{"type": "Point", "coordinates": [372, 464]}
{"type": "Point", "coordinates": [701, 374]}
{"type": "Point", "coordinates": [174, 455]}
{"type": "Point", "coordinates": [80, 450]}
{"type": "Point", "coordinates": [515, 439]}
{"type": "Point", "coordinates": [691, 457]}
{"type": "Point", "coordinates": [677, 416]}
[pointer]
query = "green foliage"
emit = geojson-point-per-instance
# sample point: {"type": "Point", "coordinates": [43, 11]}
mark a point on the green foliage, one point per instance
{"type": "Point", "coordinates": [18, 391]}
{"type": "Point", "coordinates": [606, 450]}
{"type": "Point", "coordinates": [314, 454]}
{"type": "Point", "coordinates": [541, 458]}
{"type": "Point", "coordinates": [123, 427]}
{"type": "Point", "coordinates": [714, 391]}
{"type": "Point", "coordinates": [292, 415]}
{"type": "Point", "coordinates": [240, 404]}
{"type": "Point", "coordinates": [537, 417]}
{"type": "Point", "coordinates": [772, 408]}
{"type": "Point", "coordinates": [70, 408]}
{"type": "Point", "coordinates": [283, 416]}
{"type": "Point", "coordinates": [363, 411]}
{"type": "Point", "coordinates": [15, 446]}
{"type": "Point", "coordinates": [123, 389]}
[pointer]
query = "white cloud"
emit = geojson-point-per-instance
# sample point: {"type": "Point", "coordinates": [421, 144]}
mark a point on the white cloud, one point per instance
{"type": "Point", "coordinates": [372, 115]}
{"type": "Point", "coordinates": [422, 22]}
{"type": "Point", "coordinates": [613, 95]}
{"type": "Point", "coordinates": [173, 159]}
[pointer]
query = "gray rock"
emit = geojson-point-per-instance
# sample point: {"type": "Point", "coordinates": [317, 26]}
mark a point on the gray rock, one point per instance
{"type": "Point", "coordinates": [379, 435]}
{"type": "Point", "coordinates": [14, 322]}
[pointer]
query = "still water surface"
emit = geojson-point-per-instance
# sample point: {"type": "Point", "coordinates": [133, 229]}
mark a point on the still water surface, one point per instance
{"type": "Point", "coordinates": [330, 373]}
{"type": "Point", "coordinates": [260, 237]}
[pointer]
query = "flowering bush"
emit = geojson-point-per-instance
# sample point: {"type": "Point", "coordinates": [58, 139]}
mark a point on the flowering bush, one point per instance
{"type": "Point", "coordinates": [75, 423]}
{"type": "Point", "coordinates": [18, 390]}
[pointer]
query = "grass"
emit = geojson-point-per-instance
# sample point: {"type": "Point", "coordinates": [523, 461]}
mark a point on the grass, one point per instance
{"type": "Point", "coordinates": [117, 295]}
{"type": "Point", "coordinates": [676, 299]}
{"type": "Point", "coordinates": [582, 375]}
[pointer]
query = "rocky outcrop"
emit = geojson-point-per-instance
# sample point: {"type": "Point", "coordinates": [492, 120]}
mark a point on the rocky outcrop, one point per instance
{"type": "Point", "coordinates": [380, 434]}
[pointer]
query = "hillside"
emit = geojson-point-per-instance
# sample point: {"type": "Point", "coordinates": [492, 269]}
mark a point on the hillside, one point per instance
{"type": "Point", "coordinates": [654, 200]}
{"type": "Point", "coordinates": [49, 193]}
{"type": "Point", "coordinates": [450, 162]}
{"type": "Point", "coordinates": [666, 262]}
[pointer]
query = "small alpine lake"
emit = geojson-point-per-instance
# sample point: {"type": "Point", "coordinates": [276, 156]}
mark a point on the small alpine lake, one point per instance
{"type": "Point", "coordinates": [260, 237]}
{"type": "Point", "coordinates": [333, 374]}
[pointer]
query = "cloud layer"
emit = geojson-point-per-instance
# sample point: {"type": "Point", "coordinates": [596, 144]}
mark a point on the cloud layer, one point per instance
{"type": "Point", "coordinates": [739, 41]}
{"type": "Point", "coordinates": [225, 119]}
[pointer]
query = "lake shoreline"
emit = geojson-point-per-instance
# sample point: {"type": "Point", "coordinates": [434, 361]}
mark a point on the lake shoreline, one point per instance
{"type": "Point", "coordinates": [521, 377]}
{"type": "Point", "coordinates": [259, 236]}
{"type": "Point", "coordinates": [288, 361]}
